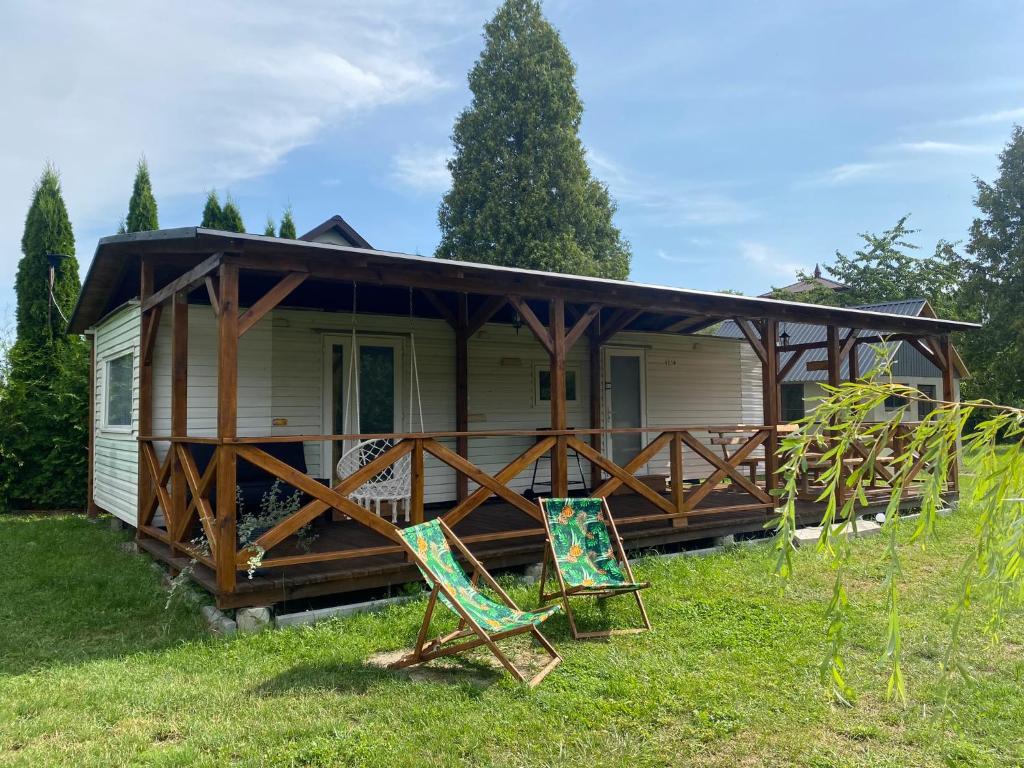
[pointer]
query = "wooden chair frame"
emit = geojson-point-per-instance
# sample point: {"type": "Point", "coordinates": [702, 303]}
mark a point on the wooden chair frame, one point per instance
{"type": "Point", "coordinates": [601, 593]}
{"type": "Point", "coordinates": [425, 649]}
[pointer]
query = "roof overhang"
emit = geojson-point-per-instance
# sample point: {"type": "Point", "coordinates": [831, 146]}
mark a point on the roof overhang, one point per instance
{"type": "Point", "coordinates": [114, 272]}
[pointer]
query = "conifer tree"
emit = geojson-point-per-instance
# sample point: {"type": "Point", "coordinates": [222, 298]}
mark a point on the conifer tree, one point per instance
{"type": "Point", "coordinates": [142, 214]}
{"type": "Point", "coordinates": [522, 194]}
{"type": "Point", "coordinates": [231, 217]}
{"type": "Point", "coordinates": [287, 229]}
{"type": "Point", "coordinates": [213, 215]}
{"type": "Point", "coordinates": [268, 230]}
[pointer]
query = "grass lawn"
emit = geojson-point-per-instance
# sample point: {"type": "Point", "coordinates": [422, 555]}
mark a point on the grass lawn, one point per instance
{"type": "Point", "coordinates": [94, 671]}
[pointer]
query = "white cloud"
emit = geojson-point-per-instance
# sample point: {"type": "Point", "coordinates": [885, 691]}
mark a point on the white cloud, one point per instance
{"type": "Point", "coordinates": [768, 259]}
{"type": "Point", "coordinates": [847, 173]}
{"type": "Point", "coordinates": [946, 148]}
{"type": "Point", "coordinates": [668, 203]}
{"type": "Point", "coordinates": [422, 169]}
{"type": "Point", "coordinates": [212, 92]}
{"type": "Point", "coordinates": [673, 259]}
{"type": "Point", "coordinates": [989, 118]}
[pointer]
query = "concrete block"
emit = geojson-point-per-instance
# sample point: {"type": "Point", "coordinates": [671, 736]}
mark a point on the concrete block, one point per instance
{"type": "Point", "coordinates": [811, 534]}
{"type": "Point", "coordinates": [217, 621]}
{"type": "Point", "coordinates": [253, 619]}
{"type": "Point", "coordinates": [302, 618]}
{"type": "Point", "coordinates": [531, 575]}
{"type": "Point", "coordinates": [131, 547]}
{"type": "Point", "coordinates": [729, 540]}
{"type": "Point", "coordinates": [808, 535]}
{"type": "Point", "coordinates": [116, 524]}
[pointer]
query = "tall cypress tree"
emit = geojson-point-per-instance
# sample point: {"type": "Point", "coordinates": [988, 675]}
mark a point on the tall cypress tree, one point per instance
{"type": "Point", "coordinates": [44, 400]}
{"type": "Point", "coordinates": [995, 353]}
{"type": "Point", "coordinates": [142, 215]}
{"type": "Point", "coordinates": [522, 194]}
{"type": "Point", "coordinates": [287, 228]}
{"type": "Point", "coordinates": [213, 215]}
{"type": "Point", "coordinates": [268, 229]}
{"type": "Point", "coordinates": [47, 231]}
{"type": "Point", "coordinates": [231, 217]}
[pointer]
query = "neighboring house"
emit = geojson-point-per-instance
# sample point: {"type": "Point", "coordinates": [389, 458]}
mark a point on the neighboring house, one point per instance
{"type": "Point", "coordinates": [802, 384]}
{"type": "Point", "coordinates": [813, 283]}
{"type": "Point", "coordinates": [222, 360]}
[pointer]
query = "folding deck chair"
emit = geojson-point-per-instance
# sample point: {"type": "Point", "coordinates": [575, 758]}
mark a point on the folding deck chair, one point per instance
{"type": "Point", "coordinates": [480, 618]}
{"type": "Point", "coordinates": [588, 557]}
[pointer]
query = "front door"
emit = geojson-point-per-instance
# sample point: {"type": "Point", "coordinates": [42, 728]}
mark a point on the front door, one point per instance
{"type": "Point", "coordinates": [369, 396]}
{"type": "Point", "coordinates": [625, 402]}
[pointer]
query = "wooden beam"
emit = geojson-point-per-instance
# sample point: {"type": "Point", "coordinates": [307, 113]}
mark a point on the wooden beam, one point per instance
{"type": "Point", "coordinates": [618, 322]}
{"type": "Point", "coordinates": [533, 323]}
{"type": "Point", "coordinates": [687, 323]}
{"type": "Point", "coordinates": [949, 395]}
{"type": "Point", "coordinates": [832, 362]}
{"type": "Point", "coordinates": [269, 300]}
{"type": "Point", "coordinates": [485, 312]}
{"type": "Point", "coordinates": [771, 400]}
{"type": "Point", "coordinates": [790, 364]}
{"type": "Point", "coordinates": [227, 427]}
{"type": "Point", "coordinates": [148, 319]}
{"type": "Point", "coordinates": [462, 389]}
{"type": "Point", "coordinates": [594, 381]}
{"type": "Point", "coordinates": [559, 455]}
{"type": "Point", "coordinates": [211, 291]}
{"type": "Point", "coordinates": [848, 343]}
{"type": "Point", "coordinates": [416, 483]}
{"type": "Point", "coordinates": [149, 331]}
{"type": "Point", "coordinates": [442, 309]}
{"type": "Point", "coordinates": [179, 402]}
{"type": "Point", "coordinates": [185, 282]}
{"type": "Point", "coordinates": [752, 336]}
{"type": "Point", "coordinates": [581, 326]}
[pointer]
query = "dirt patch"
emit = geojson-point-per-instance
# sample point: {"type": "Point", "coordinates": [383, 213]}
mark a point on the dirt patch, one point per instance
{"type": "Point", "coordinates": [478, 667]}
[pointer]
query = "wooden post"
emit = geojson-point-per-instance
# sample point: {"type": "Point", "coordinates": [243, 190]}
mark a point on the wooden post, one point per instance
{"type": "Point", "coordinates": [90, 503]}
{"type": "Point", "coordinates": [559, 458]}
{"type": "Point", "coordinates": [146, 329]}
{"type": "Point", "coordinates": [179, 401]}
{"type": "Point", "coordinates": [949, 395]}
{"type": "Point", "coordinates": [227, 427]}
{"type": "Point", "coordinates": [770, 399]}
{"type": "Point", "coordinates": [832, 348]}
{"type": "Point", "coordinates": [416, 482]}
{"type": "Point", "coordinates": [462, 390]}
{"type": "Point", "coordinates": [854, 362]}
{"type": "Point", "coordinates": [594, 339]}
{"type": "Point", "coordinates": [676, 475]}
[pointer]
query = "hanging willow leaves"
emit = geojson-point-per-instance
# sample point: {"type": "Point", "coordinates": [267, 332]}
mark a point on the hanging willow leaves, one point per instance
{"type": "Point", "coordinates": [914, 460]}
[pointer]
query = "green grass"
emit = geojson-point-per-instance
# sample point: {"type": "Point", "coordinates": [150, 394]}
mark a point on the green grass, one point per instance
{"type": "Point", "coordinates": [93, 671]}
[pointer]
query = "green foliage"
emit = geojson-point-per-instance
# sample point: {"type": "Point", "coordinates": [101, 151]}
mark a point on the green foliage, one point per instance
{"type": "Point", "coordinates": [142, 214]}
{"type": "Point", "coordinates": [47, 230]}
{"type": "Point", "coordinates": [919, 465]}
{"type": "Point", "coordinates": [522, 194]}
{"type": "Point", "coordinates": [268, 228]}
{"type": "Point", "coordinates": [287, 229]}
{"type": "Point", "coordinates": [44, 385]}
{"type": "Point", "coordinates": [213, 215]}
{"type": "Point", "coordinates": [995, 353]}
{"type": "Point", "coordinates": [231, 217]}
{"type": "Point", "coordinates": [886, 269]}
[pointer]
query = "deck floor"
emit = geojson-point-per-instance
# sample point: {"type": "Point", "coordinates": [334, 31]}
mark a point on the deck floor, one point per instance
{"type": "Point", "coordinates": [275, 585]}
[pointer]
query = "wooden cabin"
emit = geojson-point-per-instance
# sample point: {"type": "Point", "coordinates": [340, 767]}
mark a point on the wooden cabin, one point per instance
{"type": "Point", "coordinates": [221, 361]}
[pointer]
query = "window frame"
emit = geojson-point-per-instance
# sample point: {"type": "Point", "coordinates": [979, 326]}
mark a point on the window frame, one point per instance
{"type": "Point", "coordinates": [573, 369]}
{"type": "Point", "coordinates": [792, 386]}
{"type": "Point", "coordinates": [933, 394]}
{"type": "Point", "coordinates": [107, 425]}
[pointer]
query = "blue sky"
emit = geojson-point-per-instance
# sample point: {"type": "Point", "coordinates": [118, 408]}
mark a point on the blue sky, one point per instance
{"type": "Point", "coordinates": [741, 140]}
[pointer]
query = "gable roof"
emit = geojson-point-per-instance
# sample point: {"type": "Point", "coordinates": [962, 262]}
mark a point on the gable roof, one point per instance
{"type": "Point", "coordinates": [907, 361]}
{"type": "Point", "coordinates": [810, 284]}
{"type": "Point", "coordinates": [339, 227]}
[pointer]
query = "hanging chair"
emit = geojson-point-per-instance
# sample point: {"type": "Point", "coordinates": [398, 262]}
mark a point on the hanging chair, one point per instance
{"type": "Point", "coordinates": [393, 484]}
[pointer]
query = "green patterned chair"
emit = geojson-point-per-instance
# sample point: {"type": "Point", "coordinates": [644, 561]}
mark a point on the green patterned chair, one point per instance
{"type": "Point", "coordinates": [482, 621]}
{"type": "Point", "coordinates": [588, 559]}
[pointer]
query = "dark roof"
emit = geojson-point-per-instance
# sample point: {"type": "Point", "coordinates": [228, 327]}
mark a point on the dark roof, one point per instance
{"type": "Point", "coordinates": [113, 279]}
{"type": "Point", "coordinates": [804, 333]}
{"type": "Point", "coordinates": [342, 227]}
{"type": "Point", "coordinates": [812, 283]}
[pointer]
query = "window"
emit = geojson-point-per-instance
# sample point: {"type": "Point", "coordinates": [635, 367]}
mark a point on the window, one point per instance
{"type": "Point", "coordinates": [894, 402]}
{"type": "Point", "coordinates": [923, 407]}
{"type": "Point", "coordinates": [542, 387]}
{"type": "Point", "coordinates": [792, 402]}
{"type": "Point", "coordinates": [119, 392]}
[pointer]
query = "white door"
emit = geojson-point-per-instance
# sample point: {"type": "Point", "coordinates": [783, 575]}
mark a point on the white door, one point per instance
{"type": "Point", "coordinates": [625, 401]}
{"type": "Point", "coordinates": [378, 381]}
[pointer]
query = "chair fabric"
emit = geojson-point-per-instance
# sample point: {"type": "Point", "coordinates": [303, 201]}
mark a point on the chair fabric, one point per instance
{"type": "Point", "coordinates": [429, 542]}
{"type": "Point", "coordinates": [582, 546]}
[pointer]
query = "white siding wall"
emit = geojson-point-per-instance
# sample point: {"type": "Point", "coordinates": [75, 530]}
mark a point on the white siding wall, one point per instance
{"type": "Point", "coordinates": [813, 392]}
{"type": "Point", "coordinates": [115, 464]}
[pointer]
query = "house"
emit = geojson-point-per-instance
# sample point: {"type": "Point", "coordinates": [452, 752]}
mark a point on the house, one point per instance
{"type": "Point", "coordinates": [814, 283]}
{"type": "Point", "coordinates": [221, 361]}
{"type": "Point", "coordinates": [804, 369]}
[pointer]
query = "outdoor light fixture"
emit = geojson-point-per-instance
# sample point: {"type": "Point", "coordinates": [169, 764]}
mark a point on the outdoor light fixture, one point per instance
{"type": "Point", "coordinates": [784, 337]}
{"type": "Point", "coordinates": [517, 322]}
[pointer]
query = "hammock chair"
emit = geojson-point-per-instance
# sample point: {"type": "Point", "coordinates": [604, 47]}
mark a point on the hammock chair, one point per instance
{"type": "Point", "coordinates": [392, 485]}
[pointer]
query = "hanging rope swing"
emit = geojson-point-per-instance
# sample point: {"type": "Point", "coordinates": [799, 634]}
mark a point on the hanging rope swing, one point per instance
{"type": "Point", "coordinates": [393, 485]}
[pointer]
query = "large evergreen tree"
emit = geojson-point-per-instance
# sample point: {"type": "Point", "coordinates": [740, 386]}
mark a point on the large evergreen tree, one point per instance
{"type": "Point", "coordinates": [142, 215]}
{"type": "Point", "coordinates": [522, 194]}
{"type": "Point", "coordinates": [268, 229]}
{"type": "Point", "coordinates": [231, 217]}
{"type": "Point", "coordinates": [287, 228]}
{"type": "Point", "coordinates": [213, 215]}
{"type": "Point", "coordinates": [995, 354]}
{"type": "Point", "coordinates": [44, 397]}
